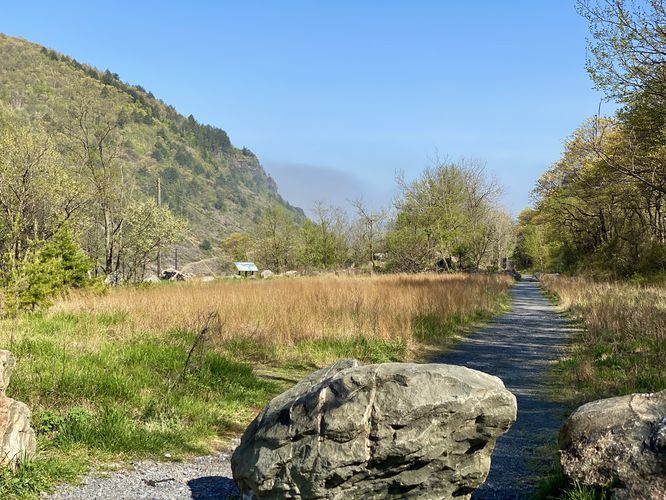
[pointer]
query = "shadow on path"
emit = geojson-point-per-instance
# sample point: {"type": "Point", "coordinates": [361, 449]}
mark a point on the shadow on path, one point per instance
{"type": "Point", "coordinates": [213, 487]}
{"type": "Point", "coordinates": [519, 348]}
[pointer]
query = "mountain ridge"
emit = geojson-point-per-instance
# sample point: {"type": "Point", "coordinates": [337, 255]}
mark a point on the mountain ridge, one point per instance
{"type": "Point", "coordinates": [217, 187]}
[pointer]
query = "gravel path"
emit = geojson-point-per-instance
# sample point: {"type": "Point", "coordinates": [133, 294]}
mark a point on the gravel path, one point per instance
{"type": "Point", "coordinates": [519, 348]}
{"type": "Point", "coordinates": [204, 478]}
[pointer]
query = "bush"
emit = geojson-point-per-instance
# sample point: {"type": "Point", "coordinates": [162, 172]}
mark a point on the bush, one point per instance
{"type": "Point", "coordinates": [46, 269]}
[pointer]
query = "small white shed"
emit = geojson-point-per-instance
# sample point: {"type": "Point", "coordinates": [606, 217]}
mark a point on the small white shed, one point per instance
{"type": "Point", "coordinates": [246, 267]}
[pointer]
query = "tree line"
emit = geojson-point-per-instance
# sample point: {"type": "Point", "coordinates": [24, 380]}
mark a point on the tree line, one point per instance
{"type": "Point", "coordinates": [448, 219]}
{"type": "Point", "coordinates": [601, 208]}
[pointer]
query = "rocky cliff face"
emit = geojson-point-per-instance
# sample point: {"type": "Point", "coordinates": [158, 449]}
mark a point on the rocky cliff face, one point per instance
{"type": "Point", "coordinates": [17, 438]}
{"type": "Point", "coordinates": [394, 430]}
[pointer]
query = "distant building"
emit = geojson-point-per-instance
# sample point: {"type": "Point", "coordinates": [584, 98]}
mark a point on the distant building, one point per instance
{"type": "Point", "coordinates": [246, 267]}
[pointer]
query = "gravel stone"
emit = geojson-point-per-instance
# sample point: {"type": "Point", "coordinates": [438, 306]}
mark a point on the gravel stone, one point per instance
{"type": "Point", "coordinates": [202, 478]}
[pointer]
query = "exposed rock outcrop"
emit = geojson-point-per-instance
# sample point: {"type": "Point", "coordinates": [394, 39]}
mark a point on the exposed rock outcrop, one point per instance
{"type": "Point", "coordinates": [618, 441]}
{"type": "Point", "coordinates": [267, 274]}
{"type": "Point", "coordinates": [17, 438]}
{"type": "Point", "coordinates": [394, 430]}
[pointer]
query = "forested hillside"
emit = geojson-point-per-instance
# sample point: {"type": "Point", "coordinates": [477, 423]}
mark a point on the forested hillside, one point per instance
{"type": "Point", "coordinates": [84, 116]}
{"type": "Point", "coordinates": [601, 209]}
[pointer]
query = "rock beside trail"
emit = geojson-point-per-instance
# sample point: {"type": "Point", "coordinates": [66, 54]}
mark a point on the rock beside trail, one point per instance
{"type": "Point", "coordinates": [291, 274]}
{"type": "Point", "coordinates": [267, 274]}
{"type": "Point", "coordinates": [619, 441]}
{"type": "Point", "coordinates": [17, 438]}
{"type": "Point", "coordinates": [394, 430]}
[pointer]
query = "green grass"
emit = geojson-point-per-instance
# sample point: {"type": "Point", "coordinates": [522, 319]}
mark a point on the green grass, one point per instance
{"type": "Point", "coordinates": [97, 396]}
{"type": "Point", "coordinates": [557, 487]}
{"type": "Point", "coordinates": [40, 474]}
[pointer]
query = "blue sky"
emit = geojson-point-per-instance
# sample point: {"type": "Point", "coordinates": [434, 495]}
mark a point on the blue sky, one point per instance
{"type": "Point", "coordinates": [335, 97]}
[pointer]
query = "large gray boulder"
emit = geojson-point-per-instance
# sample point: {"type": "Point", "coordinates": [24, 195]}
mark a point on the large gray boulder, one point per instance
{"type": "Point", "coordinates": [618, 441]}
{"type": "Point", "coordinates": [394, 430]}
{"type": "Point", "coordinates": [17, 438]}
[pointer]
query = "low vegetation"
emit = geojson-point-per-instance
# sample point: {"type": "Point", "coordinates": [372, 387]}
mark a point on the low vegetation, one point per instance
{"type": "Point", "coordinates": [175, 368]}
{"type": "Point", "coordinates": [283, 312]}
{"type": "Point", "coordinates": [621, 348]}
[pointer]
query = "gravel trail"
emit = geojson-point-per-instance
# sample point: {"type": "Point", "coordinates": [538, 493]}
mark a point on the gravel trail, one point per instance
{"type": "Point", "coordinates": [520, 347]}
{"type": "Point", "coordinates": [203, 478]}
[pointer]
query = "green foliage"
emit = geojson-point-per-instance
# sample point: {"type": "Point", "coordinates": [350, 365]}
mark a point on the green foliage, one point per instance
{"type": "Point", "coordinates": [45, 270]}
{"type": "Point", "coordinates": [147, 226]}
{"type": "Point", "coordinates": [594, 211]}
{"type": "Point", "coordinates": [31, 282]}
{"type": "Point", "coordinates": [237, 246]}
{"type": "Point", "coordinates": [600, 207]}
{"type": "Point", "coordinates": [325, 238]}
{"type": "Point", "coordinates": [533, 248]}
{"type": "Point", "coordinates": [450, 213]}
{"type": "Point", "coordinates": [627, 47]}
{"type": "Point", "coordinates": [206, 246]}
{"type": "Point", "coordinates": [74, 265]}
{"type": "Point", "coordinates": [277, 242]}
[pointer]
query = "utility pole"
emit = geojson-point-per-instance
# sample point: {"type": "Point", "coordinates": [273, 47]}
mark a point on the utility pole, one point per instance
{"type": "Point", "coordinates": [159, 246]}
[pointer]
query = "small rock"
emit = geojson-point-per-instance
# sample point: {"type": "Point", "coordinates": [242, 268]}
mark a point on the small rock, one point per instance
{"type": "Point", "coordinates": [267, 274]}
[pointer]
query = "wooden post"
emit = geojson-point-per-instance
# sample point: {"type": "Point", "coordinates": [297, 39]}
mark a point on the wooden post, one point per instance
{"type": "Point", "coordinates": [159, 248]}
